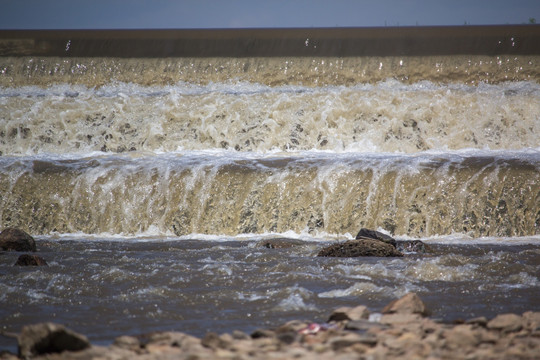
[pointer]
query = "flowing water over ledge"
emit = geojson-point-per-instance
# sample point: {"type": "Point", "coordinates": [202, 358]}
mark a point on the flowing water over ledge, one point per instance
{"type": "Point", "coordinates": [149, 182]}
{"type": "Point", "coordinates": [478, 193]}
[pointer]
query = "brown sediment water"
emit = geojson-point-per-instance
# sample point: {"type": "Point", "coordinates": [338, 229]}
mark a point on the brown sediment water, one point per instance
{"type": "Point", "coordinates": [337, 194]}
{"type": "Point", "coordinates": [151, 164]}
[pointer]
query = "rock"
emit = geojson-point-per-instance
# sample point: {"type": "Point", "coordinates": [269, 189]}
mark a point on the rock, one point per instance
{"type": "Point", "coordinates": [480, 321]}
{"type": "Point", "coordinates": [506, 323]}
{"type": "Point", "coordinates": [399, 319]}
{"type": "Point", "coordinates": [263, 333]}
{"type": "Point", "coordinates": [363, 325]}
{"type": "Point", "coordinates": [293, 325]}
{"type": "Point", "coordinates": [12, 239]}
{"type": "Point", "coordinates": [376, 235]}
{"type": "Point", "coordinates": [30, 260]}
{"type": "Point", "coordinates": [532, 320]}
{"type": "Point", "coordinates": [287, 337]}
{"type": "Point", "coordinates": [46, 338]}
{"type": "Point", "coordinates": [408, 304]}
{"type": "Point", "coordinates": [240, 335]}
{"type": "Point", "coordinates": [214, 341]}
{"type": "Point", "coordinates": [349, 313]}
{"type": "Point", "coordinates": [362, 247]}
{"type": "Point", "coordinates": [416, 246]}
{"type": "Point", "coordinates": [127, 342]}
{"type": "Point", "coordinates": [461, 336]}
{"type": "Point", "coordinates": [5, 355]}
{"type": "Point", "coordinates": [345, 340]}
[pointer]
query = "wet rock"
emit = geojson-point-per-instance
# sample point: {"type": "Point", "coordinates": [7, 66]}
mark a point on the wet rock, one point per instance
{"type": "Point", "coordinates": [12, 239]}
{"type": "Point", "coordinates": [362, 247]}
{"type": "Point", "coordinates": [46, 338]}
{"type": "Point", "coordinates": [415, 246]}
{"type": "Point", "coordinates": [30, 260]}
{"type": "Point", "coordinates": [376, 235]}
{"type": "Point", "coordinates": [506, 323]}
{"type": "Point", "coordinates": [349, 313]}
{"type": "Point", "coordinates": [408, 304]}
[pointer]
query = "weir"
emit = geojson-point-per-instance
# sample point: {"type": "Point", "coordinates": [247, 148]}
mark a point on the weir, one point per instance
{"type": "Point", "coordinates": [419, 196]}
{"type": "Point", "coordinates": [419, 131]}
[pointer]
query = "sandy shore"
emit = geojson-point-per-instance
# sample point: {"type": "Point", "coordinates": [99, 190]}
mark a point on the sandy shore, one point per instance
{"type": "Point", "coordinates": [401, 331]}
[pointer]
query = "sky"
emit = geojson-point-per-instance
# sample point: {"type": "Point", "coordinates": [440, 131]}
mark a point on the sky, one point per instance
{"type": "Point", "coordinates": [190, 14]}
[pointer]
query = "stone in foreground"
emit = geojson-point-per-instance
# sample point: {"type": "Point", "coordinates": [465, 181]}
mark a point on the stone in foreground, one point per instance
{"type": "Point", "coordinates": [349, 313]}
{"type": "Point", "coordinates": [362, 247]}
{"type": "Point", "coordinates": [408, 304]}
{"type": "Point", "coordinates": [47, 338]}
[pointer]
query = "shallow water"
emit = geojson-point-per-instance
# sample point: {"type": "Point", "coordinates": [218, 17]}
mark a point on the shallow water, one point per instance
{"type": "Point", "coordinates": [109, 287]}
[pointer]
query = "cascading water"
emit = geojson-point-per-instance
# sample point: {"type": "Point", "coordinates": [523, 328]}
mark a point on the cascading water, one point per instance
{"type": "Point", "coordinates": [151, 182]}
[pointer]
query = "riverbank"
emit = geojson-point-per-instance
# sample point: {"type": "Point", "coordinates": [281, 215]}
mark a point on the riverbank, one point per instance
{"type": "Point", "coordinates": [401, 330]}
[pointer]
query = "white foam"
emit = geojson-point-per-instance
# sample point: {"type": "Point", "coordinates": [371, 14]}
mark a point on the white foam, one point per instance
{"type": "Point", "coordinates": [296, 300]}
{"type": "Point", "coordinates": [389, 116]}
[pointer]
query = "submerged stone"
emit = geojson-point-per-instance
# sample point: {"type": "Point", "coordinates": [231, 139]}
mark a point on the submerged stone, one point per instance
{"type": "Point", "coordinates": [30, 260]}
{"type": "Point", "coordinates": [362, 247]}
{"type": "Point", "coordinates": [12, 239]}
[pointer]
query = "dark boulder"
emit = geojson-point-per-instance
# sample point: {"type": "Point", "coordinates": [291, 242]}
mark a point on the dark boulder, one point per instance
{"type": "Point", "coordinates": [372, 234]}
{"type": "Point", "coordinates": [362, 247]}
{"type": "Point", "coordinates": [30, 260]}
{"type": "Point", "coordinates": [16, 240]}
{"type": "Point", "coordinates": [47, 338]}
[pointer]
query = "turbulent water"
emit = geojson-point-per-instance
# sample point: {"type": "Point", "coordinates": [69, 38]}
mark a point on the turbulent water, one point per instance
{"type": "Point", "coordinates": [150, 183]}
